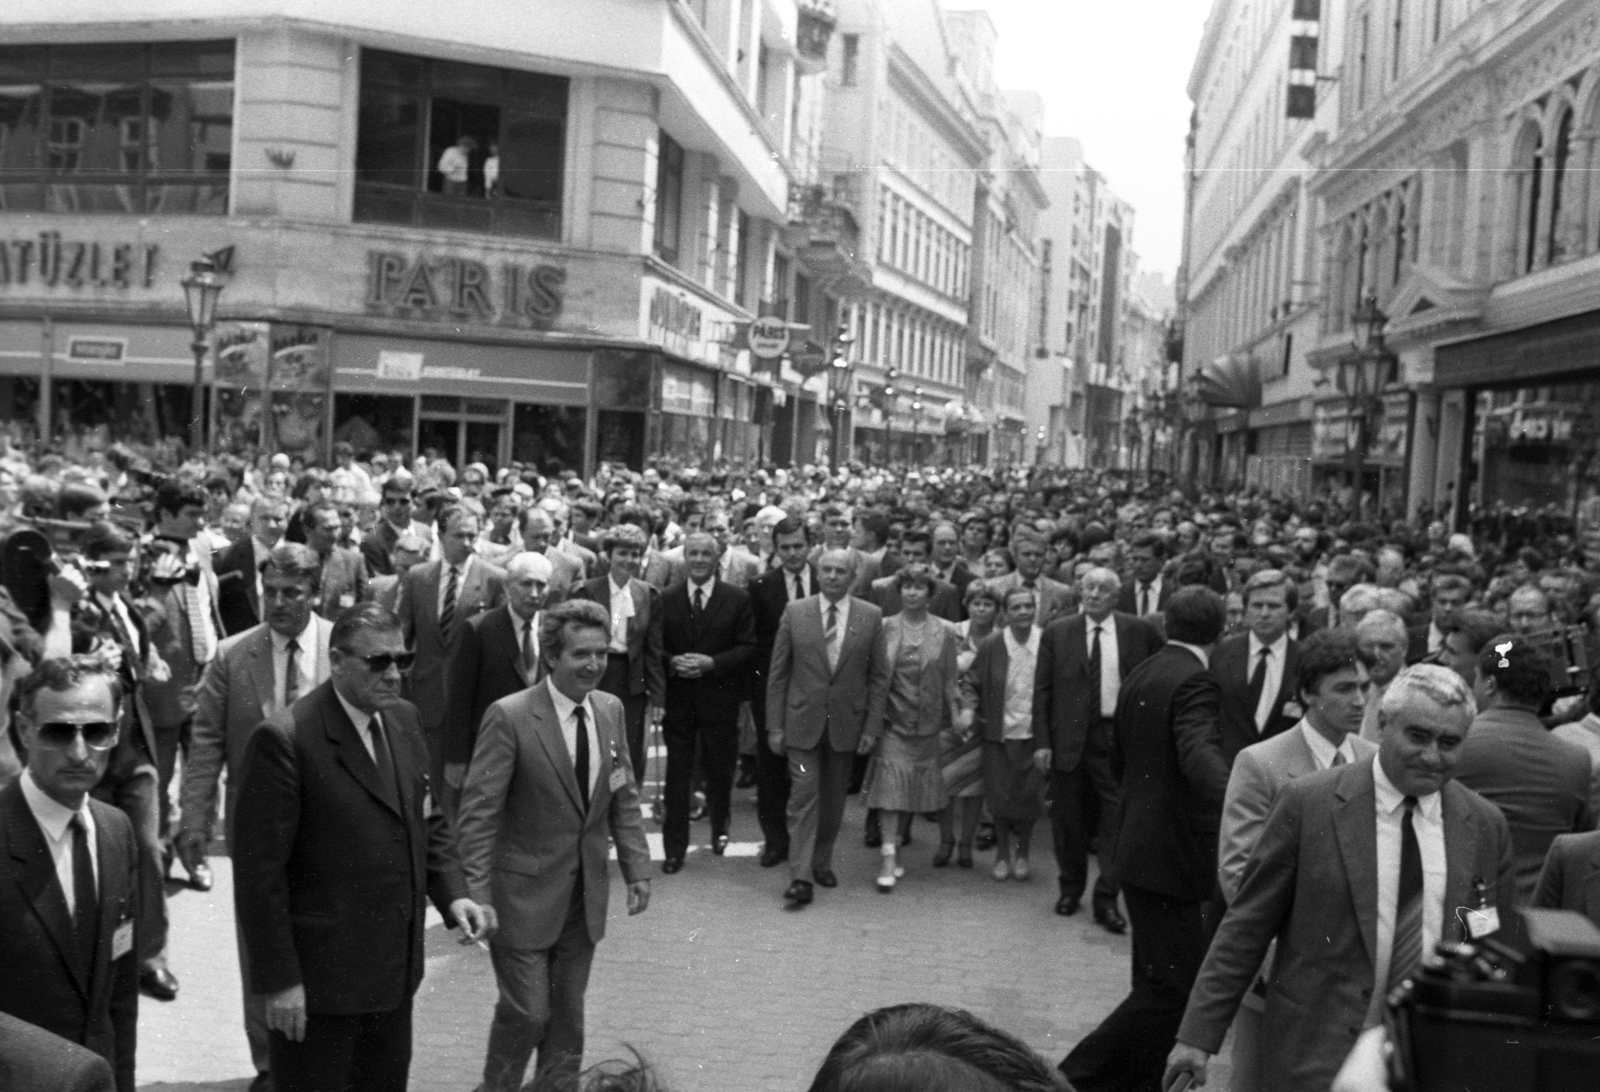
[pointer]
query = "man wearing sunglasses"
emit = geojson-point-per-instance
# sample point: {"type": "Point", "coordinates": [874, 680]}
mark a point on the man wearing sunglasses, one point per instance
{"type": "Point", "coordinates": [69, 869]}
{"type": "Point", "coordinates": [394, 520]}
{"type": "Point", "coordinates": [337, 842]}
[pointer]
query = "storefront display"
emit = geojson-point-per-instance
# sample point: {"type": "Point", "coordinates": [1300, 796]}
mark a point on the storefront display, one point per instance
{"type": "Point", "coordinates": [1538, 446]}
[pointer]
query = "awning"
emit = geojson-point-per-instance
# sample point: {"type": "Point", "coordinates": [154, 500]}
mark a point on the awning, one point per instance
{"type": "Point", "coordinates": [1232, 380]}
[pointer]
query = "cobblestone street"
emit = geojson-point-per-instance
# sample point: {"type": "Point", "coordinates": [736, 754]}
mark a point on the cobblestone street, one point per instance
{"type": "Point", "coordinates": [716, 984]}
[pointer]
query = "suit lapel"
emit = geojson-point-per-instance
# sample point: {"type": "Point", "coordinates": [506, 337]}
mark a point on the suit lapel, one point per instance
{"type": "Point", "coordinates": [852, 637]}
{"type": "Point", "coordinates": [353, 754]}
{"type": "Point", "coordinates": [36, 876]}
{"type": "Point", "coordinates": [506, 625]}
{"type": "Point", "coordinates": [1356, 822]}
{"type": "Point", "coordinates": [429, 586]}
{"type": "Point", "coordinates": [547, 730]}
{"type": "Point", "coordinates": [262, 673]}
{"type": "Point", "coordinates": [1460, 858]}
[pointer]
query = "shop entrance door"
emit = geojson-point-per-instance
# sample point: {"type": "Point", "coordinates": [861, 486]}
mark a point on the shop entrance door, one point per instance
{"type": "Point", "coordinates": [463, 430]}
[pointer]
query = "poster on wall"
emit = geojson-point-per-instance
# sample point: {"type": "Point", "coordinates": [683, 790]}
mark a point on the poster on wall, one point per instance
{"type": "Point", "coordinates": [242, 356]}
{"type": "Point", "coordinates": [298, 375]}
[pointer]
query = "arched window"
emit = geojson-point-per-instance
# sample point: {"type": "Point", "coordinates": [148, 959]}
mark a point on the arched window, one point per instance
{"type": "Point", "coordinates": [1533, 186]}
{"type": "Point", "coordinates": [1558, 178]}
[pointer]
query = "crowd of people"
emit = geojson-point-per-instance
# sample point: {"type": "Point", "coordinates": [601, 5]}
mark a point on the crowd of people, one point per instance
{"type": "Point", "coordinates": [388, 681]}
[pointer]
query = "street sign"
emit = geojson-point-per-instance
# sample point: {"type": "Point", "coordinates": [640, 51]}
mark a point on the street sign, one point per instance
{"type": "Point", "coordinates": [768, 338]}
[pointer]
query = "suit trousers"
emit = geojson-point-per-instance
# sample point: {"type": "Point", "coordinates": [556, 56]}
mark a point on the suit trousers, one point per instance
{"type": "Point", "coordinates": [540, 1007]}
{"type": "Point", "coordinates": [131, 787]}
{"type": "Point", "coordinates": [1128, 1051]}
{"type": "Point", "coordinates": [719, 758]}
{"type": "Point", "coordinates": [772, 781]}
{"type": "Point", "coordinates": [616, 682]}
{"type": "Point", "coordinates": [818, 779]}
{"type": "Point", "coordinates": [170, 739]}
{"type": "Point", "coordinates": [256, 1031]}
{"type": "Point", "coordinates": [367, 1052]}
{"type": "Point", "coordinates": [1076, 796]}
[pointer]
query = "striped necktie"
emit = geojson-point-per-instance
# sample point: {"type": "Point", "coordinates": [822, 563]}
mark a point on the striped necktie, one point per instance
{"type": "Point", "coordinates": [447, 613]}
{"type": "Point", "coordinates": [1406, 951]}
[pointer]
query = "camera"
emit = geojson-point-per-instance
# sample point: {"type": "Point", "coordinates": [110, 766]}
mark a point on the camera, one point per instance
{"type": "Point", "coordinates": [1515, 1011]}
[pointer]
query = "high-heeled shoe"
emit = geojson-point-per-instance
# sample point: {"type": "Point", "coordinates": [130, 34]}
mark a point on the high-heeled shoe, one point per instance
{"type": "Point", "coordinates": [964, 854]}
{"type": "Point", "coordinates": [886, 878]}
{"type": "Point", "coordinates": [942, 858]}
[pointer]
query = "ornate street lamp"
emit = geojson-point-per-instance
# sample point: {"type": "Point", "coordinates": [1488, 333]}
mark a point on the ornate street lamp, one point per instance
{"type": "Point", "coordinates": [1362, 377]}
{"type": "Point", "coordinates": [201, 291]}
{"type": "Point", "coordinates": [840, 369]}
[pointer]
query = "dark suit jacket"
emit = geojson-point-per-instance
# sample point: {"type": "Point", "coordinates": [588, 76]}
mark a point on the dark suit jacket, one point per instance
{"type": "Point", "coordinates": [1571, 876]}
{"type": "Point", "coordinates": [1312, 883]}
{"type": "Point", "coordinates": [481, 588]}
{"type": "Point", "coordinates": [1231, 666]}
{"type": "Point", "coordinates": [375, 547]}
{"type": "Point", "coordinates": [646, 670]}
{"type": "Point", "coordinates": [1128, 603]}
{"type": "Point", "coordinates": [43, 981]}
{"type": "Point", "coordinates": [237, 598]}
{"type": "Point", "coordinates": [485, 666]}
{"type": "Point", "coordinates": [344, 582]}
{"type": "Point", "coordinates": [330, 866]}
{"type": "Point", "coordinates": [945, 602]}
{"type": "Point", "coordinates": [727, 633]}
{"type": "Point", "coordinates": [35, 1060]}
{"type": "Point", "coordinates": [1061, 679]}
{"type": "Point", "coordinates": [1167, 753]}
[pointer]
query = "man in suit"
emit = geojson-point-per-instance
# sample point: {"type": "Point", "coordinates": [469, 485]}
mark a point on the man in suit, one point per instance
{"type": "Point", "coordinates": [1256, 670]}
{"type": "Point", "coordinates": [70, 870]}
{"type": "Point", "coordinates": [344, 571]}
{"type": "Point", "coordinates": [1331, 683]}
{"type": "Point", "coordinates": [635, 672]}
{"type": "Point", "coordinates": [1168, 757]}
{"type": "Point", "coordinates": [794, 579]}
{"type": "Point", "coordinates": [550, 786]}
{"type": "Point", "coordinates": [827, 685]}
{"type": "Point", "coordinates": [1344, 572]}
{"type": "Point", "coordinates": [394, 521]}
{"type": "Point", "coordinates": [1382, 635]}
{"type": "Point", "coordinates": [1571, 876]}
{"type": "Point", "coordinates": [337, 842]}
{"type": "Point", "coordinates": [708, 637]}
{"type": "Point", "coordinates": [1450, 593]}
{"type": "Point", "coordinates": [562, 543]}
{"type": "Point", "coordinates": [410, 550]}
{"type": "Point", "coordinates": [35, 1060]}
{"type": "Point", "coordinates": [496, 653]}
{"type": "Point", "coordinates": [253, 675]}
{"type": "Point", "coordinates": [1393, 838]}
{"type": "Point", "coordinates": [238, 567]}
{"type": "Point", "coordinates": [949, 565]}
{"type": "Point", "coordinates": [566, 570]}
{"type": "Point", "coordinates": [1148, 590]}
{"type": "Point", "coordinates": [736, 565]}
{"type": "Point", "coordinates": [436, 597]}
{"type": "Point", "coordinates": [916, 548]}
{"type": "Point", "coordinates": [870, 542]}
{"type": "Point", "coordinates": [1056, 600]}
{"type": "Point", "coordinates": [1083, 661]}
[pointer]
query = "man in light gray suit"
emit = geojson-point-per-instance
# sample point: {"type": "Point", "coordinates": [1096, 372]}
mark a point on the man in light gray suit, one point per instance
{"type": "Point", "coordinates": [344, 570]}
{"type": "Point", "coordinates": [826, 691]}
{"type": "Point", "coordinates": [549, 787]}
{"type": "Point", "coordinates": [253, 675]}
{"type": "Point", "coordinates": [1331, 685]}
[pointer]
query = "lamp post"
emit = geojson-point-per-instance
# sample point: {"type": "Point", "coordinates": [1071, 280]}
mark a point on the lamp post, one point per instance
{"type": "Point", "coordinates": [840, 368]}
{"type": "Point", "coordinates": [1362, 377]}
{"type": "Point", "coordinates": [201, 290]}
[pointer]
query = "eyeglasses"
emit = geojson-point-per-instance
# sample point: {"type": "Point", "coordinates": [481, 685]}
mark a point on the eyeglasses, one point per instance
{"type": "Point", "coordinates": [380, 662]}
{"type": "Point", "coordinates": [99, 735]}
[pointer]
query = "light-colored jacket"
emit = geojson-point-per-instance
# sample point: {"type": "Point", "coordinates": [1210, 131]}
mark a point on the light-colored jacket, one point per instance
{"type": "Point", "coordinates": [940, 695]}
{"type": "Point", "coordinates": [806, 700]}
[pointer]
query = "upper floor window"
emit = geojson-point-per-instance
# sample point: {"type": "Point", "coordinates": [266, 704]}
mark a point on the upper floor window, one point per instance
{"type": "Point", "coordinates": [450, 145]}
{"type": "Point", "coordinates": [131, 128]}
{"type": "Point", "coordinates": [669, 199]}
{"type": "Point", "coordinates": [850, 59]}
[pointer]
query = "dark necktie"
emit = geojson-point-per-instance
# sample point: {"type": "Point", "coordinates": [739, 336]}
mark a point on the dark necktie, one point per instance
{"type": "Point", "coordinates": [1406, 953]}
{"type": "Point", "coordinates": [1144, 600]}
{"type": "Point", "coordinates": [1095, 712]}
{"type": "Point", "coordinates": [1258, 682]}
{"type": "Point", "coordinates": [580, 762]}
{"type": "Point", "coordinates": [291, 673]}
{"type": "Point", "coordinates": [699, 602]}
{"type": "Point", "coordinates": [799, 587]}
{"type": "Point", "coordinates": [831, 631]}
{"type": "Point", "coordinates": [85, 901]}
{"type": "Point", "coordinates": [1338, 758]}
{"type": "Point", "coordinates": [530, 658]}
{"type": "Point", "coordinates": [383, 759]}
{"type": "Point", "coordinates": [447, 613]}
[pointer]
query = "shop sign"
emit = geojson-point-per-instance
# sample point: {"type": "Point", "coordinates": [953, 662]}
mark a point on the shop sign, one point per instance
{"type": "Point", "coordinates": [687, 391]}
{"type": "Point", "coordinates": [682, 326]}
{"type": "Point", "coordinates": [410, 367]}
{"type": "Point", "coordinates": [49, 260]}
{"type": "Point", "coordinates": [768, 337]}
{"type": "Point", "coordinates": [451, 288]}
{"type": "Point", "coordinates": [100, 350]}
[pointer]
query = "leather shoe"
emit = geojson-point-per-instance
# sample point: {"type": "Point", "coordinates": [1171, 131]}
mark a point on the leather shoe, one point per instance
{"type": "Point", "coordinates": [771, 858]}
{"type": "Point", "coordinates": [798, 895]}
{"type": "Point", "coordinates": [158, 983]}
{"type": "Point", "coordinates": [1067, 905]}
{"type": "Point", "coordinates": [671, 865]}
{"type": "Point", "coordinates": [201, 879]}
{"type": "Point", "coordinates": [1110, 919]}
{"type": "Point", "coordinates": [719, 844]}
{"type": "Point", "coordinates": [824, 877]}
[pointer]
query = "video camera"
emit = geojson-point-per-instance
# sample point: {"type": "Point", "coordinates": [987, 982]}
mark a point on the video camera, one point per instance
{"type": "Point", "coordinates": [1515, 1011]}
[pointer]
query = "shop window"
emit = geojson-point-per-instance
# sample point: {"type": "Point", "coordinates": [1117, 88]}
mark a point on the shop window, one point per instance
{"type": "Point", "coordinates": [92, 414]}
{"type": "Point", "coordinates": [548, 438]}
{"type": "Point", "coordinates": [669, 199]}
{"type": "Point", "coordinates": [620, 438]}
{"type": "Point", "coordinates": [19, 406]}
{"type": "Point", "coordinates": [467, 147]}
{"type": "Point", "coordinates": [374, 422]}
{"type": "Point", "coordinates": [126, 128]}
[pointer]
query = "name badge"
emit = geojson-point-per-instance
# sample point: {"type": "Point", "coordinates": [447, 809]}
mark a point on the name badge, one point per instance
{"type": "Point", "coordinates": [346, 600]}
{"type": "Point", "coordinates": [619, 777]}
{"type": "Point", "coordinates": [1480, 923]}
{"type": "Point", "coordinates": [122, 941]}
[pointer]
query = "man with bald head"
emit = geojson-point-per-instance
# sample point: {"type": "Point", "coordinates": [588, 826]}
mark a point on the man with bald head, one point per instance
{"type": "Point", "coordinates": [1383, 639]}
{"type": "Point", "coordinates": [1083, 659]}
{"type": "Point", "coordinates": [566, 570]}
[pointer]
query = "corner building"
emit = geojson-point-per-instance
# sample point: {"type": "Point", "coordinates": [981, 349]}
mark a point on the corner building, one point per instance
{"type": "Point", "coordinates": [533, 233]}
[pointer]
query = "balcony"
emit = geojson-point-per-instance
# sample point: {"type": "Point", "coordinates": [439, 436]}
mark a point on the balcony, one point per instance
{"type": "Point", "coordinates": [824, 235]}
{"type": "Point", "coordinates": [812, 32]}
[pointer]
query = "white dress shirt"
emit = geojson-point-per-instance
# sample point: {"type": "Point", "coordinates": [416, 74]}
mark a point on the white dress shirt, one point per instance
{"type": "Point", "coordinates": [1021, 659]}
{"type": "Point", "coordinates": [621, 611]}
{"type": "Point", "coordinates": [522, 626]}
{"type": "Point", "coordinates": [363, 723]}
{"type": "Point", "coordinates": [1428, 822]}
{"type": "Point", "coordinates": [1323, 752]}
{"type": "Point", "coordinates": [705, 589]}
{"type": "Point", "coordinates": [305, 661]}
{"type": "Point", "coordinates": [1435, 637]}
{"type": "Point", "coordinates": [565, 708]}
{"type": "Point", "coordinates": [1110, 660]}
{"type": "Point", "coordinates": [837, 644]}
{"type": "Point", "coordinates": [1277, 655]}
{"type": "Point", "coordinates": [53, 819]}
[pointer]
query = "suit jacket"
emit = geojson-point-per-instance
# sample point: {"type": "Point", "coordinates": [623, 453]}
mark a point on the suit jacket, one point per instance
{"type": "Point", "coordinates": [1128, 601]}
{"type": "Point", "coordinates": [1231, 666]}
{"type": "Point", "coordinates": [738, 567]}
{"type": "Point", "coordinates": [44, 981]}
{"type": "Point", "coordinates": [1539, 783]}
{"type": "Point", "coordinates": [1313, 884]}
{"type": "Point", "coordinates": [525, 837]}
{"type": "Point", "coordinates": [944, 603]}
{"type": "Point", "coordinates": [1056, 600]}
{"type": "Point", "coordinates": [1571, 876]}
{"type": "Point", "coordinates": [726, 632]}
{"type": "Point", "coordinates": [1417, 642]}
{"type": "Point", "coordinates": [769, 595]}
{"type": "Point", "coordinates": [331, 866]}
{"type": "Point", "coordinates": [662, 570]}
{"type": "Point", "coordinates": [376, 546]}
{"type": "Point", "coordinates": [806, 701]}
{"type": "Point", "coordinates": [344, 582]}
{"type": "Point", "coordinates": [1167, 753]}
{"type": "Point", "coordinates": [485, 666]}
{"type": "Point", "coordinates": [238, 598]}
{"type": "Point", "coordinates": [983, 690]}
{"type": "Point", "coordinates": [567, 574]}
{"type": "Point", "coordinates": [646, 669]}
{"type": "Point", "coordinates": [481, 587]}
{"type": "Point", "coordinates": [236, 695]}
{"type": "Point", "coordinates": [172, 702]}
{"type": "Point", "coordinates": [35, 1060]}
{"type": "Point", "coordinates": [1061, 679]}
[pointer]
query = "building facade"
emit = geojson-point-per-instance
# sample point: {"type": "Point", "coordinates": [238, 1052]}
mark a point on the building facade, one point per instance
{"type": "Point", "coordinates": [504, 238]}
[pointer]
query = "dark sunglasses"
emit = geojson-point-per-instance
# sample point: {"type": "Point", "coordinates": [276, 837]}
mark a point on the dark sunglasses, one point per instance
{"type": "Point", "coordinates": [396, 500]}
{"type": "Point", "coordinates": [380, 662]}
{"type": "Point", "coordinates": [99, 735]}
